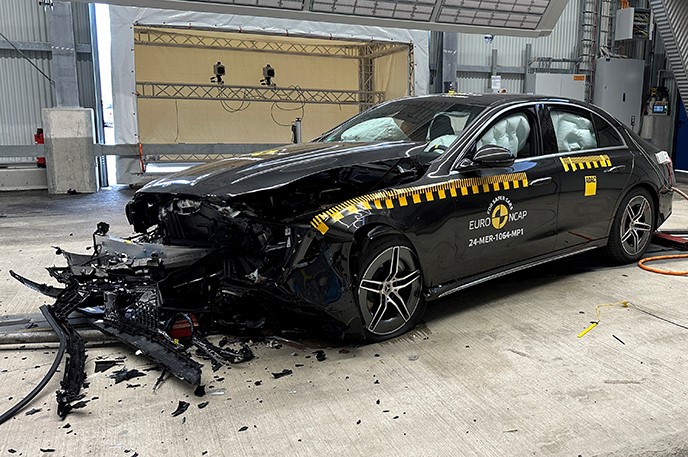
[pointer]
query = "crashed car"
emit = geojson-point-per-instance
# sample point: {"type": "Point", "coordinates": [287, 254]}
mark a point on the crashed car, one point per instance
{"type": "Point", "coordinates": [405, 203]}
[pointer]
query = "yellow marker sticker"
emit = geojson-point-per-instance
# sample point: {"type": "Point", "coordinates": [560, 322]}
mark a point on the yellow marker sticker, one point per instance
{"type": "Point", "coordinates": [590, 186]}
{"type": "Point", "coordinates": [395, 198]}
{"type": "Point", "coordinates": [586, 162]}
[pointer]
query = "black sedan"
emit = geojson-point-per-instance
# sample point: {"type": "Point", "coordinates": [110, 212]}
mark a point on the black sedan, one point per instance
{"type": "Point", "coordinates": [411, 201]}
{"type": "Point", "coordinates": [408, 202]}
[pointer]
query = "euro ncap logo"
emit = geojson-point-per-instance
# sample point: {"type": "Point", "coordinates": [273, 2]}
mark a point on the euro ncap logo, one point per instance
{"type": "Point", "coordinates": [499, 216]}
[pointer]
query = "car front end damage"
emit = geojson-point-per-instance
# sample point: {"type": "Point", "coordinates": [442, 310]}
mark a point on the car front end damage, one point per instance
{"type": "Point", "coordinates": [194, 265]}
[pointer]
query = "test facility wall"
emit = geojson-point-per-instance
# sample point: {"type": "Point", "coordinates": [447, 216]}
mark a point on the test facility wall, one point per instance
{"type": "Point", "coordinates": [24, 92]}
{"type": "Point", "coordinates": [124, 60]}
{"type": "Point", "coordinates": [204, 121]}
{"type": "Point", "coordinates": [562, 43]}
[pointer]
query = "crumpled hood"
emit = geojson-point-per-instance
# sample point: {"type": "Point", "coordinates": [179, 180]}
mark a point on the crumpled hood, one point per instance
{"type": "Point", "coordinates": [246, 173]}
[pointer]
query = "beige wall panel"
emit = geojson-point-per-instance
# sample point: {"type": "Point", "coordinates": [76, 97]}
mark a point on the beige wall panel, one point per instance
{"type": "Point", "coordinates": [391, 75]}
{"type": "Point", "coordinates": [198, 121]}
{"type": "Point", "coordinates": [195, 66]}
{"type": "Point", "coordinates": [202, 121]}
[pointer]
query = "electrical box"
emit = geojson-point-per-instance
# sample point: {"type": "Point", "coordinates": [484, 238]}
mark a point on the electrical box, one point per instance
{"type": "Point", "coordinates": [619, 89]}
{"type": "Point", "coordinates": [560, 85]}
{"type": "Point", "coordinates": [633, 24]}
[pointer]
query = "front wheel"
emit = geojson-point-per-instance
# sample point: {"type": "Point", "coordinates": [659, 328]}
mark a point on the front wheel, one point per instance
{"type": "Point", "coordinates": [632, 227]}
{"type": "Point", "coordinates": [389, 291]}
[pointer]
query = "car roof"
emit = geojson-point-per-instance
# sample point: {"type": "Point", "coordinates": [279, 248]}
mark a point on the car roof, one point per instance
{"type": "Point", "coordinates": [496, 99]}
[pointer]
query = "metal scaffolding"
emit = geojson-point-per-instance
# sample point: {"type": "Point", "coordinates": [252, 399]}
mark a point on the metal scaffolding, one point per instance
{"type": "Point", "coordinates": [173, 91]}
{"type": "Point", "coordinates": [151, 36]}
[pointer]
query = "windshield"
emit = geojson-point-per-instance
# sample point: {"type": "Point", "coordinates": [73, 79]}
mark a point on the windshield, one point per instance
{"type": "Point", "coordinates": [418, 120]}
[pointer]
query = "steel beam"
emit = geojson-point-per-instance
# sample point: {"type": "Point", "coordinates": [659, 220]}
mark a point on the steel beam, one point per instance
{"type": "Point", "coordinates": [39, 46]}
{"type": "Point", "coordinates": [157, 90]}
{"type": "Point", "coordinates": [63, 62]}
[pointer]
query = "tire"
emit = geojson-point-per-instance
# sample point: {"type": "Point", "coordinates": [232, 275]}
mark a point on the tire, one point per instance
{"type": "Point", "coordinates": [632, 227]}
{"type": "Point", "coordinates": [389, 289]}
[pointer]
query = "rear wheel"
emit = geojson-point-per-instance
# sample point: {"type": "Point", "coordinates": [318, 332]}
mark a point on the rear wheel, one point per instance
{"type": "Point", "coordinates": [632, 227]}
{"type": "Point", "coordinates": [389, 289]}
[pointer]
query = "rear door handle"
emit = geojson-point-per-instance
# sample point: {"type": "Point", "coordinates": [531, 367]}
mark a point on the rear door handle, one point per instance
{"type": "Point", "coordinates": [616, 169]}
{"type": "Point", "coordinates": [540, 181]}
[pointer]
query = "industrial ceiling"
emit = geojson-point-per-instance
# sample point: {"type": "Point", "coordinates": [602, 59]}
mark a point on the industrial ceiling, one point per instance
{"type": "Point", "coordinates": [503, 17]}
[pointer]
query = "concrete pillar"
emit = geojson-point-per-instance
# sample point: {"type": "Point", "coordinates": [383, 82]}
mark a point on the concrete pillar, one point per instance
{"type": "Point", "coordinates": [69, 158]}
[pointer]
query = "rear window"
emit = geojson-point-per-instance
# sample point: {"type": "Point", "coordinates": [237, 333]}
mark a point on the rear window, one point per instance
{"type": "Point", "coordinates": [607, 136]}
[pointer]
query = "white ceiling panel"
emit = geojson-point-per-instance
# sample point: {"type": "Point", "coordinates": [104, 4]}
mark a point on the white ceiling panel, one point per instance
{"type": "Point", "coordinates": [503, 17]}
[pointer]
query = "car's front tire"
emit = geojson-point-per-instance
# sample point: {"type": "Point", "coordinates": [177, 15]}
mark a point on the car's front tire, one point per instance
{"type": "Point", "coordinates": [632, 227]}
{"type": "Point", "coordinates": [389, 289]}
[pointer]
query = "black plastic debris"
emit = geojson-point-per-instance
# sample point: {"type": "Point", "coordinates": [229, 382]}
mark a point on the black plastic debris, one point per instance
{"type": "Point", "coordinates": [320, 355]}
{"type": "Point", "coordinates": [69, 407]}
{"type": "Point", "coordinates": [244, 428]}
{"type": "Point", "coordinates": [161, 379]}
{"type": "Point", "coordinates": [203, 405]}
{"type": "Point", "coordinates": [181, 408]}
{"type": "Point", "coordinates": [257, 383]}
{"type": "Point", "coordinates": [126, 375]}
{"type": "Point", "coordinates": [67, 425]}
{"type": "Point", "coordinates": [47, 450]}
{"type": "Point", "coordinates": [33, 411]}
{"type": "Point", "coordinates": [12, 451]}
{"type": "Point", "coordinates": [105, 365]}
{"type": "Point", "coordinates": [200, 391]}
{"type": "Point", "coordinates": [285, 372]}
{"type": "Point", "coordinates": [133, 386]}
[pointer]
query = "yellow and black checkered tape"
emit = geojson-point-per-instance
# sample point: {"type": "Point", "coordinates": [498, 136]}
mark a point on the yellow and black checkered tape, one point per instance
{"type": "Point", "coordinates": [585, 163]}
{"type": "Point", "coordinates": [397, 198]}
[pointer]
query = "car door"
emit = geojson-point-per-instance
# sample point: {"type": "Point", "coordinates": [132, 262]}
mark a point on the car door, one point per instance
{"type": "Point", "coordinates": [507, 214]}
{"type": "Point", "coordinates": [594, 167]}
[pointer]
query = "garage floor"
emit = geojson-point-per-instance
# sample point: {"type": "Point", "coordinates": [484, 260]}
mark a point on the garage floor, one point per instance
{"type": "Point", "coordinates": [497, 370]}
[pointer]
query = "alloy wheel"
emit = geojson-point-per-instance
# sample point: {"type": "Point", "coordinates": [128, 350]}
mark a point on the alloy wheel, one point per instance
{"type": "Point", "coordinates": [389, 292]}
{"type": "Point", "coordinates": [636, 225]}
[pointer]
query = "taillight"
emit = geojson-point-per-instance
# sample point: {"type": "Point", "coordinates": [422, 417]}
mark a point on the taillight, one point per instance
{"type": "Point", "coordinates": [179, 327]}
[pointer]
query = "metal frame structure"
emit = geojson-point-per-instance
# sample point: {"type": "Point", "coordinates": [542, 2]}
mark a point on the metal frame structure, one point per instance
{"type": "Point", "coordinates": [365, 53]}
{"type": "Point", "coordinates": [172, 91]}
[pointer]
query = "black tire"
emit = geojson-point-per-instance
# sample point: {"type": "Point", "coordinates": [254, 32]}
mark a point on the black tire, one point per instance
{"type": "Point", "coordinates": [390, 298]}
{"type": "Point", "coordinates": [632, 227]}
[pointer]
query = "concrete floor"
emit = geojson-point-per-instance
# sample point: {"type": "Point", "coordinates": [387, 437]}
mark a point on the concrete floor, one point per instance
{"type": "Point", "coordinates": [497, 370]}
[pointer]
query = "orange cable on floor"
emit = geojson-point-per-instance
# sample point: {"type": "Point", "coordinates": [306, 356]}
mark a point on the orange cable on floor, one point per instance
{"type": "Point", "coordinates": [642, 262]}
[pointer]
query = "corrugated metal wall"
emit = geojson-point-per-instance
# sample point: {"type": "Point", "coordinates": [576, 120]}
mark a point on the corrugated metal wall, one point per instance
{"type": "Point", "coordinates": [24, 92]}
{"type": "Point", "coordinates": [562, 43]}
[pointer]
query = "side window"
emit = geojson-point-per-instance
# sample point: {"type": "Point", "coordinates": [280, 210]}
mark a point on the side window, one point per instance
{"type": "Point", "coordinates": [513, 132]}
{"type": "Point", "coordinates": [574, 131]}
{"type": "Point", "coordinates": [607, 136]}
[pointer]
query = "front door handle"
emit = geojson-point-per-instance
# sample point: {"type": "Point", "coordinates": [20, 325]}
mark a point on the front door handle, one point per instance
{"type": "Point", "coordinates": [540, 181]}
{"type": "Point", "coordinates": [616, 169]}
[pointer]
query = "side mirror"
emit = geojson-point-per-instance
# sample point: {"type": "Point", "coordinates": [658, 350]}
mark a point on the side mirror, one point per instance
{"type": "Point", "coordinates": [491, 155]}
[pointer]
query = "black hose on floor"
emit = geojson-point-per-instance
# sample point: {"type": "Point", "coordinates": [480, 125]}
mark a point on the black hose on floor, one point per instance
{"type": "Point", "coordinates": [10, 413]}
